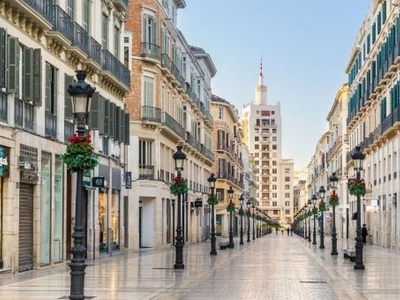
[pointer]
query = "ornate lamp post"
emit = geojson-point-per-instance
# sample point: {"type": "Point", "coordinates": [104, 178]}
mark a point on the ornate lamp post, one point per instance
{"type": "Point", "coordinates": [254, 217]}
{"type": "Point", "coordinates": [305, 221]}
{"type": "Point", "coordinates": [81, 96]}
{"type": "Point", "coordinates": [309, 220]}
{"type": "Point", "coordinates": [322, 209]}
{"type": "Point", "coordinates": [314, 201]}
{"type": "Point", "coordinates": [211, 181]}
{"type": "Point", "coordinates": [230, 197]}
{"type": "Point", "coordinates": [241, 199]}
{"type": "Point", "coordinates": [358, 158]}
{"type": "Point", "coordinates": [179, 158]}
{"type": "Point", "coordinates": [248, 220]}
{"type": "Point", "coordinates": [333, 202]}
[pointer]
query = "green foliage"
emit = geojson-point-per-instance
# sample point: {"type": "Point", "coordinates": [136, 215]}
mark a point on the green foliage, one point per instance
{"type": "Point", "coordinates": [212, 200]}
{"type": "Point", "coordinates": [179, 186]}
{"type": "Point", "coordinates": [80, 154]}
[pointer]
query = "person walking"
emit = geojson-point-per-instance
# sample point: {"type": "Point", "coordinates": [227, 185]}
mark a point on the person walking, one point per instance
{"type": "Point", "coordinates": [288, 230]}
{"type": "Point", "coordinates": [364, 234]}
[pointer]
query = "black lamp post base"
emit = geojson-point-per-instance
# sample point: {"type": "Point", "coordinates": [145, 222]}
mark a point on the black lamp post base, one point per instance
{"type": "Point", "coordinates": [213, 252]}
{"type": "Point", "coordinates": [359, 267]}
{"type": "Point", "coordinates": [179, 266]}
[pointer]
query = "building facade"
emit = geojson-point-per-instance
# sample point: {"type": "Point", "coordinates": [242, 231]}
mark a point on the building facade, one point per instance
{"type": "Point", "coordinates": [373, 117]}
{"type": "Point", "coordinates": [169, 106]}
{"type": "Point", "coordinates": [228, 167]}
{"type": "Point", "coordinates": [262, 128]}
{"type": "Point", "coordinates": [42, 44]}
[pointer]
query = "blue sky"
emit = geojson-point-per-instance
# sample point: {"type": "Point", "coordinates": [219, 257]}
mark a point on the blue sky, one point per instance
{"type": "Point", "coordinates": [304, 45]}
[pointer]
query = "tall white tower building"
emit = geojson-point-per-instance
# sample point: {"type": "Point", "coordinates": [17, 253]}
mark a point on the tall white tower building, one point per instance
{"type": "Point", "coordinates": [262, 127]}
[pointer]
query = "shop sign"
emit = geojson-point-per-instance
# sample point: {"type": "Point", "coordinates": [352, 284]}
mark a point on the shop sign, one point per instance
{"type": "Point", "coordinates": [30, 175]}
{"type": "Point", "coordinates": [3, 162]}
{"type": "Point", "coordinates": [86, 178]}
{"type": "Point", "coordinates": [128, 180]}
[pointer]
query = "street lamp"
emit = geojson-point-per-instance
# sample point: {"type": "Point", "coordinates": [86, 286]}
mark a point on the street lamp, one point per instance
{"type": "Point", "coordinates": [211, 181]}
{"type": "Point", "coordinates": [358, 158]}
{"type": "Point", "coordinates": [179, 158]}
{"type": "Point", "coordinates": [241, 199]}
{"type": "Point", "coordinates": [322, 206]}
{"type": "Point", "coordinates": [309, 220]}
{"type": "Point", "coordinates": [248, 220]}
{"type": "Point", "coordinates": [314, 201]}
{"type": "Point", "coordinates": [305, 221]}
{"type": "Point", "coordinates": [81, 96]}
{"type": "Point", "coordinates": [334, 180]}
{"type": "Point", "coordinates": [254, 216]}
{"type": "Point", "coordinates": [230, 197]}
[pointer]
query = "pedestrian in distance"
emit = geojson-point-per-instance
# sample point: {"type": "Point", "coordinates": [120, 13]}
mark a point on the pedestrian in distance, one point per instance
{"type": "Point", "coordinates": [276, 230]}
{"type": "Point", "coordinates": [282, 231]}
{"type": "Point", "coordinates": [288, 231]}
{"type": "Point", "coordinates": [291, 231]}
{"type": "Point", "coordinates": [364, 233]}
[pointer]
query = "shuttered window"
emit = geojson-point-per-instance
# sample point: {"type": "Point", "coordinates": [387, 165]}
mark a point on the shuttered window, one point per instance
{"type": "Point", "coordinates": [3, 42]}
{"type": "Point", "coordinates": [127, 129]}
{"type": "Point", "coordinates": [13, 65]}
{"type": "Point", "coordinates": [148, 91]}
{"type": "Point", "coordinates": [67, 98]}
{"type": "Point", "coordinates": [86, 15]}
{"type": "Point", "coordinates": [32, 68]}
{"type": "Point", "coordinates": [106, 117]}
{"type": "Point", "coordinates": [111, 120]}
{"type": "Point", "coordinates": [51, 89]}
{"type": "Point", "coordinates": [104, 31]}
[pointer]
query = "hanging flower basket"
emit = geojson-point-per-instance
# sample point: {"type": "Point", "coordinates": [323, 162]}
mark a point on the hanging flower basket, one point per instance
{"type": "Point", "coordinates": [212, 200]}
{"type": "Point", "coordinates": [248, 214]}
{"type": "Point", "coordinates": [179, 186]}
{"type": "Point", "coordinates": [309, 214]}
{"type": "Point", "coordinates": [230, 207]}
{"type": "Point", "coordinates": [80, 154]}
{"type": "Point", "coordinates": [356, 187]}
{"type": "Point", "coordinates": [334, 200]}
{"type": "Point", "coordinates": [314, 210]}
{"type": "Point", "coordinates": [241, 212]}
{"type": "Point", "coordinates": [322, 207]}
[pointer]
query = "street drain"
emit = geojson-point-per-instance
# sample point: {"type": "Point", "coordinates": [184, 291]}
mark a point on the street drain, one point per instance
{"type": "Point", "coordinates": [312, 281]}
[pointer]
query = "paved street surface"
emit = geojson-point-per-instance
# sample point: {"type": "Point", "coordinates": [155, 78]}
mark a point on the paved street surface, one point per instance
{"type": "Point", "coordinates": [272, 267]}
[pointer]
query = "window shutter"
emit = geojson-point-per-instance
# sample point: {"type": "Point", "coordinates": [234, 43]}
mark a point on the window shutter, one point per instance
{"type": "Point", "coordinates": [94, 112]}
{"type": "Point", "coordinates": [3, 45]}
{"type": "Point", "coordinates": [154, 32]}
{"type": "Point", "coordinates": [106, 117]}
{"type": "Point", "coordinates": [37, 77]}
{"type": "Point", "coordinates": [111, 120]}
{"type": "Point", "coordinates": [117, 123]}
{"type": "Point", "coordinates": [145, 28]}
{"type": "Point", "coordinates": [13, 65]}
{"type": "Point", "coordinates": [67, 98]}
{"type": "Point", "coordinates": [28, 74]}
{"type": "Point", "coordinates": [121, 125]}
{"type": "Point", "coordinates": [126, 129]}
{"type": "Point", "coordinates": [54, 90]}
{"type": "Point", "coordinates": [48, 88]}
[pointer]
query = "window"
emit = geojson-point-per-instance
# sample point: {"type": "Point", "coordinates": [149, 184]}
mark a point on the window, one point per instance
{"type": "Point", "coordinates": [51, 101]}
{"type": "Point", "coordinates": [287, 195]}
{"type": "Point", "coordinates": [274, 147]}
{"type": "Point", "coordinates": [148, 91]}
{"type": "Point", "coordinates": [273, 130]}
{"type": "Point", "coordinates": [287, 179]}
{"type": "Point", "coordinates": [287, 186]}
{"type": "Point", "coordinates": [287, 211]}
{"type": "Point", "coordinates": [276, 212]}
{"type": "Point", "coordinates": [274, 203]}
{"type": "Point", "coordinates": [150, 31]}
{"type": "Point", "coordinates": [287, 203]}
{"type": "Point", "coordinates": [287, 171]}
{"type": "Point", "coordinates": [104, 31]}
{"type": "Point", "coordinates": [274, 138]}
{"type": "Point", "coordinates": [265, 113]}
{"type": "Point", "coordinates": [220, 112]}
{"type": "Point", "coordinates": [274, 186]}
{"type": "Point", "coordinates": [256, 138]}
{"type": "Point", "coordinates": [86, 15]}
{"type": "Point", "coordinates": [145, 153]}
{"type": "Point", "coordinates": [117, 33]}
{"type": "Point", "coordinates": [220, 194]}
{"type": "Point", "coordinates": [274, 195]}
{"type": "Point", "coordinates": [70, 9]}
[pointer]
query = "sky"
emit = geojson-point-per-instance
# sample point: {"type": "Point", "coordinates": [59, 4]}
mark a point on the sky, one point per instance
{"type": "Point", "coordinates": [304, 47]}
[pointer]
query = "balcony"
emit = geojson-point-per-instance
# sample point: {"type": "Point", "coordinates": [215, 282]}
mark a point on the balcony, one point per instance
{"type": "Point", "coordinates": [80, 38]}
{"type": "Point", "coordinates": [95, 50]}
{"type": "Point", "coordinates": [152, 114]}
{"type": "Point", "coordinates": [50, 126]}
{"type": "Point", "coordinates": [62, 23]}
{"type": "Point", "coordinates": [170, 122]}
{"type": "Point", "coordinates": [112, 64]}
{"type": "Point", "coordinates": [121, 5]}
{"type": "Point", "coordinates": [146, 172]}
{"type": "Point", "coordinates": [150, 50]}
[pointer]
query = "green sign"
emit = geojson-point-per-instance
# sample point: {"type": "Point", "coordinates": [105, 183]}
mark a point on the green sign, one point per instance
{"type": "Point", "coordinates": [98, 182]}
{"type": "Point", "coordinates": [86, 178]}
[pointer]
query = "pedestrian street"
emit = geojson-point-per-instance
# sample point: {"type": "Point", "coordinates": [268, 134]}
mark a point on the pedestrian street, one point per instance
{"type": "Point", "coordinates": [275, 266]}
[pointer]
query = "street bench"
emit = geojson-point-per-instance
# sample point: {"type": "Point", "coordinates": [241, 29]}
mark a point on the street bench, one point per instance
{"type": "Point", "coordinates": [223, 244]}
{"type": "Point", "coordinates": [350, 253]}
